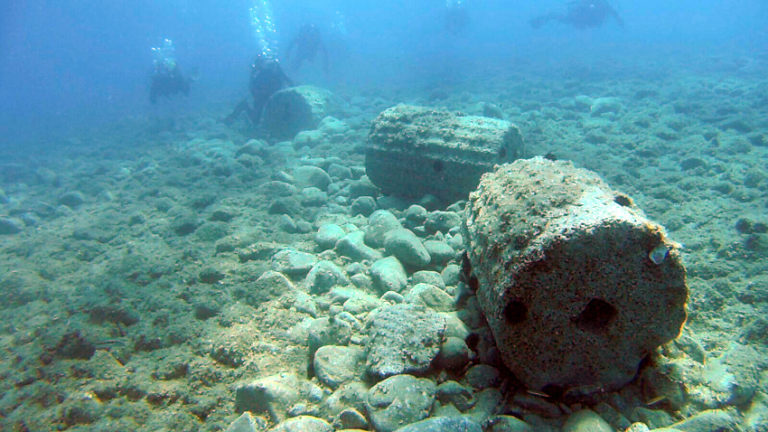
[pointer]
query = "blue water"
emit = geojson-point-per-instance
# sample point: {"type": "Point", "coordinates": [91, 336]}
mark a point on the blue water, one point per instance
{"type": "Point", "coordinates": [79, 63]}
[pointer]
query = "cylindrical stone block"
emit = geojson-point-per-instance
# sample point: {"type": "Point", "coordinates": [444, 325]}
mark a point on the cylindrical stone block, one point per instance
{"type": "Point", "coordinates": [577, 285]}
{"type": "Point", "coordinates": [413, 151]}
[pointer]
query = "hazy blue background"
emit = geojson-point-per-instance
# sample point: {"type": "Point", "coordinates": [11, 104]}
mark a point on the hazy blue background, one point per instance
{"type": "Point", "coordinates": [64, 64]}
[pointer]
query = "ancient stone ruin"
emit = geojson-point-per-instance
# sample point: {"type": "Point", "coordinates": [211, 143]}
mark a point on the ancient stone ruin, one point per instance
{"type": "Point", "coordinates": [413, 151]}
{"type": "Point", "coordinates": [577, 285]}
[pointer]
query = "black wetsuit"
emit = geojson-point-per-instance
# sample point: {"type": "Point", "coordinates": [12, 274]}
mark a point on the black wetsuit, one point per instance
{"type": "Point", "coordinates": [306, 46]}
{"type": "Point", "coordinates": [267, 77]}
{"type": "Point", "coordinates": [167, 82]}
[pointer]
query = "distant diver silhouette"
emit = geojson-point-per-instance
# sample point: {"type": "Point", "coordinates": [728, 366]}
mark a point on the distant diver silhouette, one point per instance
{"type": "Point", "coordinates": [456, 17]}
{"type": "Point", "coordinates": [580, 14]}
{"type": "Point", "coordinates": [167, 79]}
{"type": "Point", "coordinates": [267, 77]}
{"type": "Point", "coordinates": [305, 46]}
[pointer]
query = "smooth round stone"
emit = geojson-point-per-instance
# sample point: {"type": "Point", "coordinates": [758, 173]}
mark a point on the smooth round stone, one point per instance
{"type": "Point", "coordinates": [353, 246]}
{"type": "Point", "coordinates": [408, 248]}
{"type": "Point", "coordinates": [440, 251]}
{"type": "Point", "coordinates": [428, 277]}
{"type": "Point", "coordinates": [72, 199]}
{"type": "Point", "coordinates": [398, 401]}
{"type": "Point", "coordinates": [586, 420]}
{"type": "Point", "coordinates": [365, 205]}
{"type": "Point", "coordinates": [306, 176]}
{"type": "Point", "coordinates": [435, 424]}
{"type": "Point", "coordinates": [389, 275]}
{"type": "Point", "coordinates": [452, 392]}
{"type": "Point", "coordinates": [454, 354]}
{"type": "Point", "coordinates": [483, 376]}
{"type": "Point", "coordinates": [303, 423]}
{"type": "Point", "coordinates": [415, 215]}
{"type": "Point", "coordinates": [380, 223]}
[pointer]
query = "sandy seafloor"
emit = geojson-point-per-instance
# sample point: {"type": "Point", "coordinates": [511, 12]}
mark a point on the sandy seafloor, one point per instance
{"type": "Point", "coordinates": [134, 309]}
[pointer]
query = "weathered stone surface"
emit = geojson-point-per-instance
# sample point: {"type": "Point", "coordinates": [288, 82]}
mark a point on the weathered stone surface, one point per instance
{"type": "Point", "coordinates": [431, 297]}
{"type": "Point", "coordinates": [398, 401]}
{"type": "Point", "coordinates": [403, 338]}
{"type": "Point", "coordinates": [272, 395]}
{"type": "Point", "coordinates": [292, 262]}
{"type": "Point", "coordinates": [414, 151]}
{"type": "Point", "coordinates": [324, 276]}
{"type": "Point", "coordinates": [576, 284]}
{"type": "Point", "coordinates": [334, 365]}
{"type": "Point", "coordinates": [295, 109]}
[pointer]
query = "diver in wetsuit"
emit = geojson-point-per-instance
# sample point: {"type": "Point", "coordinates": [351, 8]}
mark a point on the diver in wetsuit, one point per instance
{"type": "Point", "coordinates": [167, 82]}
{"type": "Point", "coordinates": [580, 14]}
{"type": "Point", "coordinates": [267, 77]}
{"type": "Point", "coordinates": [167, 79]}
{"type": "Point", "coordinates": [305, 46]}
{"type": "Point", "coordinates": [456, 17]}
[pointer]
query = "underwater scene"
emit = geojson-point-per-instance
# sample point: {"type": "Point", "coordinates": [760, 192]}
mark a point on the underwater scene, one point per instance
{"type": "Point", "coordinates": [411, 215]}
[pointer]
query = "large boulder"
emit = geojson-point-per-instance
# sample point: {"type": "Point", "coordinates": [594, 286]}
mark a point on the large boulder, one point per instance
{"type": "Point", "coordinates": [577, 285]}
{"type": "Point", "coordinates": [413, 151]}
{"type": "Point", "coordinates": [294, 109]}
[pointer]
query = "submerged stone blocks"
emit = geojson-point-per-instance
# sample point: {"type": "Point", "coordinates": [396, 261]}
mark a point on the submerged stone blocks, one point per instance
{"type": "Point", "coordinates": [577, 285]}
{"type": "Point", "coordinates": [414, 151]}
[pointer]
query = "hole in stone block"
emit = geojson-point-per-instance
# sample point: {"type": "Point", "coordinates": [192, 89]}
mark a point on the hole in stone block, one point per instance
{"type": "Point", "coordinates": [437, 166]}
{"type": "Point", "coordinates": [596, 316]}
{"type": "Point", "coordinates": [623, 200]}
{"type": "Point", "coordinates": [516, 312]}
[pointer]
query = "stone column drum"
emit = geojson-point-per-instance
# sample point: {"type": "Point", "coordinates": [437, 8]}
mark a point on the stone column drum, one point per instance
{"type": "Point", "coordinates": [577, 285]}
{"type": "Point", "coordinates": [413, 151]}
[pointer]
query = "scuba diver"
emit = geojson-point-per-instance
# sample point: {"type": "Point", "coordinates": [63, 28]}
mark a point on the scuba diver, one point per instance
{"type": "Point", "coordinates": [167, 79]}
{"type": "Point", "coordinates": [456, 16]}
{"type": "Point", "coordinates": [267, 77]}
{"type": "Point", "coordinates": [305, 46]}
{"type": "Point", "coordinates": [580, 14]}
